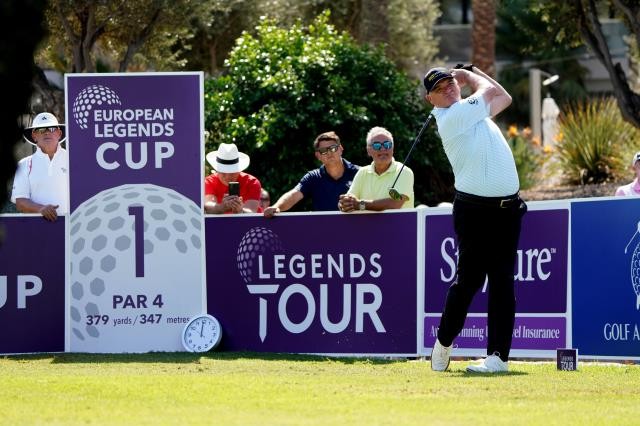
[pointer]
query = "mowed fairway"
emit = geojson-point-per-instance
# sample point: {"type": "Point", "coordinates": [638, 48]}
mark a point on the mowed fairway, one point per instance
{"type": "Point", "coordinates": [258, 389]}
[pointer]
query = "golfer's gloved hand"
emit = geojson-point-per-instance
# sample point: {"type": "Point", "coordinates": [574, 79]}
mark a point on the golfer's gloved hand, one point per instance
{"type": "Point", "coordinates": [468, 67]}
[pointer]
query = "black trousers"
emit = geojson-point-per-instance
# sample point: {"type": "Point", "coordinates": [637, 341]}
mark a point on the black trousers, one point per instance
{"type": "Point", "coordinates": [487, 230]}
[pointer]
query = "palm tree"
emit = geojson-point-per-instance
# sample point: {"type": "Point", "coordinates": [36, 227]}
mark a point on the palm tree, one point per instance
{"type": "Point", "coordinates": [483, 35]}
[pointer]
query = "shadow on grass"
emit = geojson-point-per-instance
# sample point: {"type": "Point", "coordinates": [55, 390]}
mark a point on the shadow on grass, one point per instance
{"type": "Point", "coordinates": [463, 374]}
{"type": "Point", "coordinates": [187, 358]}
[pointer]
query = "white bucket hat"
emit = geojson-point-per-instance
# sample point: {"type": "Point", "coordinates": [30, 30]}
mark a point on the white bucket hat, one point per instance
{"type": "Point", "coordinates": [44, 119]}
{"type": "Point", "coordinates": [227, 159]}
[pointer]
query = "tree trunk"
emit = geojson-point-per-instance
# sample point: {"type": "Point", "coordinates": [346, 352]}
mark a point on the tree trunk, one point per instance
{"type": "Point", "coordinates": [137, 42]}
{"type": "Point", "coordinates": [374, 26]}
{"type": "Point", "coordinates": [591, 31]}
{"type": "Point", "coordinates": [483, 35]}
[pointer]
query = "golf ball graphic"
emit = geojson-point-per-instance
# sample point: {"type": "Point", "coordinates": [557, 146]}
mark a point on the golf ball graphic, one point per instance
{"type": "Point", "coordinates": [90, 97]}
{"type": "Point", "coordinates": [111, 255]}
{"type": "Point", "coordinates": [257, 241]}
{"type": "Point", "coordinates": [635, 274]}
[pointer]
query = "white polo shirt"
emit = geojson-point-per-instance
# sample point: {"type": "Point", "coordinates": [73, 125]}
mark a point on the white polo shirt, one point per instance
{"type": "Point", "coordinates": [480, 157]}
{"type": "Point", "coordinates": [43, 180]}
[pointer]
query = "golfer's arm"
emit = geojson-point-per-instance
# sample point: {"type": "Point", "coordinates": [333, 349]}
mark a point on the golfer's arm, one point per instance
{"type": "Point", "coordinates": [494, 94]}
{"type": "Point", "coordinates": [288, 200]}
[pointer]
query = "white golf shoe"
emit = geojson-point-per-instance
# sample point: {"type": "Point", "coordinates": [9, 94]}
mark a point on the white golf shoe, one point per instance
{"type": "Point", "coordinates": [440, 356]}
{"type": "Point", "coordinates": [491, 364]}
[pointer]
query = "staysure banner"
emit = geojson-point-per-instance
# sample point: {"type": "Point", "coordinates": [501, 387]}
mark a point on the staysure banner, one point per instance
{"type": "Point", "coordinates": [32, 284]}
{"type": "Point", "coordinates": [542, 316]}
{"type": "Point", "coordinates": [605, 269]}
{"type": "Point", "coordinates": [314, 283]}
{"type": "Point", "coordinates": [136, 231]}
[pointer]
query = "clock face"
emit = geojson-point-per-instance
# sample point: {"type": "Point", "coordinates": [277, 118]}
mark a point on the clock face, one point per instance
{"type": "Point", "coordinates": [201, 334]}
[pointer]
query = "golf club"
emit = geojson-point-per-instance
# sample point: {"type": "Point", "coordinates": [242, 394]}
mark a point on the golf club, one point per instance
{"type": "Point", "coordinates": [393, 193]}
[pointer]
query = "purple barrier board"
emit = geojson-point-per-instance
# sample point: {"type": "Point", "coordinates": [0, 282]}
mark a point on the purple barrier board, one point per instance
{"type": "Point", "coordinates": [540, 277]}
{"type": "Point", "coordinates": [314, 283]}
{"type": "Point", "coordinates": [32, 285]}
{"type": "Point", "coordinates": [136, 231]}
{"type": "Point", "coordinates": [605, 269]}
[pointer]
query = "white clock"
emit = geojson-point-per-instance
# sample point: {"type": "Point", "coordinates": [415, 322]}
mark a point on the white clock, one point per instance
{"type": "Point", "coordinates": [201, 334]}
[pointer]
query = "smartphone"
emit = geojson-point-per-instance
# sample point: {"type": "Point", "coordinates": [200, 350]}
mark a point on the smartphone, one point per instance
{"type": "Point", "coordinates": [234, 188]}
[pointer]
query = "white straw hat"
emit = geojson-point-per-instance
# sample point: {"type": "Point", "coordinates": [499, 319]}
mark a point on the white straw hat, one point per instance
{"type": "Point", "coordinates": [227, 159]}
{"type": "Point", "coordinates": [44, 119]}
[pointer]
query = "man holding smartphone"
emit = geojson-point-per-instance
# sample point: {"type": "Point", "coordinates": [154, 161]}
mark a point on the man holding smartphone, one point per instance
{"type": "Point", "coordinates": [229, 190]}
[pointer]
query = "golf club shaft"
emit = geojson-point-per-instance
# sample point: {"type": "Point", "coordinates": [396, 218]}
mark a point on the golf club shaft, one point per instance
{"type": "Point", "coordinates": [424, 127]}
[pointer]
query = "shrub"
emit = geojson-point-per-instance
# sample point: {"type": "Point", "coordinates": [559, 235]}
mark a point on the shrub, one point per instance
{"type": "Point", "coordinates": [528, 155]}
{"type": "Point", "coordinates": [595, 140]}
{"type": "Point", "coordinates": [284, 87]}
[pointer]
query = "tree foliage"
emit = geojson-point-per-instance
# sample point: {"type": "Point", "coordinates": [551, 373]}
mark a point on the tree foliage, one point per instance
{"type": "Point", "coordinates": [522, 38]}
{"type": "Point", "coordinates": [284, 87]}
{"type": "Point", "coordinates": [403, 27]}
{"type": "Point", "coordinates": [120, 35]}
{"type": "Point", "coordinates": [574, 22]}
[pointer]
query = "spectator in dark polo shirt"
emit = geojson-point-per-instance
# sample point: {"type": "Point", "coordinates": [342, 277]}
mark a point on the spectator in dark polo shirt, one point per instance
{"type": "Point", "coordinates": [324, 184]}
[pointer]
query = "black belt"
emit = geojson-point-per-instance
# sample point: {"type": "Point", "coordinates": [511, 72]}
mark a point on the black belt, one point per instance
{"type": "Point", "coordinates": [497, 202]}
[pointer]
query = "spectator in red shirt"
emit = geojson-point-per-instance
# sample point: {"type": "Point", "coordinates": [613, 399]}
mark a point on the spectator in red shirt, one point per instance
{"type": "Point", "coordinates": [228, 164]}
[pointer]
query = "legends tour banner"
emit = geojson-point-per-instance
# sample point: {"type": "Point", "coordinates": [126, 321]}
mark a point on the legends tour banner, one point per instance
{"type": "Point", "coordinates": [136, 227]}
{"type": "Point", "coordinates": [314, 283]}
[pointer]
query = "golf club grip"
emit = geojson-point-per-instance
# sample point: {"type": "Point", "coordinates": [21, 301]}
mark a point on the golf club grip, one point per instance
{"type": "Point", "coordinates": [424, 127]}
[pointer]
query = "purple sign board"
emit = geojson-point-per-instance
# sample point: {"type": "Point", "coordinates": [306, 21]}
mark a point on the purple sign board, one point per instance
{"type": "Point", "coordinates": [135, 154]}
{"type": "Point", "coordinates": [540, 277]}
{"type": "Point", "coordinates": [605, 277]}
{"type": "Point", "coordinates": [32, 285]}
{"type": "Point", "coordinates": [315, 283]}
{"type": "Point", "coordinates": [134, 129]}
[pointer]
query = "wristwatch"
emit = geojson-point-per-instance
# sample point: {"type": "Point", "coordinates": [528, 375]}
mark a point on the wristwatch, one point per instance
{"type": "Point", "coordinates": [361, 205]}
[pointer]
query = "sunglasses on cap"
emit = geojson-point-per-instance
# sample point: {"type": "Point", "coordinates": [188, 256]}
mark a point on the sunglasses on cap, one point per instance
{"type": "Point", "coordinates": [377, 146]}
{"type": "Point", "coordinates": [43, 130]}
{"type": "Point", "coordinates": [332, 148]}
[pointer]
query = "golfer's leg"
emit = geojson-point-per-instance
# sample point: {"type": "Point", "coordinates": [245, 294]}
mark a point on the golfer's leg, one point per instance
{"type": "Point", "coordinates": [470, 273]}
{"type": "Point", "coordinates": [502, 302]}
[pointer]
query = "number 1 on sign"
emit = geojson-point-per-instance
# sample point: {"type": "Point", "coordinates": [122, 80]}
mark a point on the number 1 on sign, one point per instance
{"type": "Point", "coordinates": [138, 228]}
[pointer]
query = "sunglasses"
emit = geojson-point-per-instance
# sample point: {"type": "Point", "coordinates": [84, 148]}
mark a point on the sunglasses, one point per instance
{"type": "Point", "coordinates": [332, 148]}
{"type": "Point", "coordinates": [43, 130]}
{"type": "Point", "coordinates": [377, 146]}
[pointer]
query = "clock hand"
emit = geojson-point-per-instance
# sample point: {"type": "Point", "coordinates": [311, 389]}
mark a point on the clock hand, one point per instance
{"type": "Point", "coordinates": [201, 328]}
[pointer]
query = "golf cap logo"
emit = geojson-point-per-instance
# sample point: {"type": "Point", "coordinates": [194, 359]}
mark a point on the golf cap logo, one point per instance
{"type": "Point", "coordinates": [635, 266]}
{"type": "Point", "coordinates": [90, 97]}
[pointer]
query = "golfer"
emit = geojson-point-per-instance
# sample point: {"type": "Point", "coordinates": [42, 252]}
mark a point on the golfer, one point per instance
{"type": "Point", "coordinates": [487, 209]}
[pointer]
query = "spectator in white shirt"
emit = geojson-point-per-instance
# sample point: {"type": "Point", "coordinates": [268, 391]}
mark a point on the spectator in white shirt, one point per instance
{"type": "Point", "coordinates": [40, 183]}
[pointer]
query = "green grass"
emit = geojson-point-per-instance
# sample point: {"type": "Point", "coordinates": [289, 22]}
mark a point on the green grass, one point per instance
{"type": "Point", "coordinates": [258, 389]}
